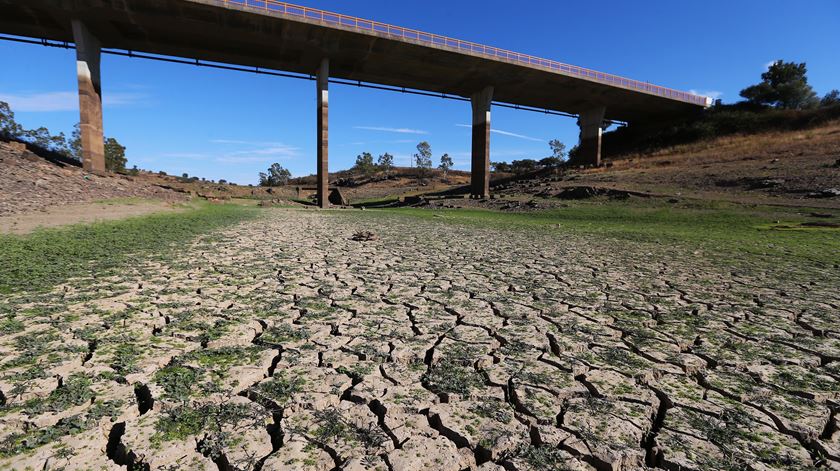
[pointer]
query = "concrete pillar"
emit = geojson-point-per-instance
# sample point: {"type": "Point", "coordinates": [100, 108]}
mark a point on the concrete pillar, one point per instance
{"type": "Point", "coordinates": [323, 134]}
{"type": "Point", "coordinates": [591, 128]}
{"type": "Point", "coordinates": [480, 169]}
{"type": "Point", "coordinates": [88, 52]}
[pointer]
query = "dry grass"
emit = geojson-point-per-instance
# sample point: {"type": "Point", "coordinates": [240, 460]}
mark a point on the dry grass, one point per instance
{"type": "Point", "coordinates": [821, 141]}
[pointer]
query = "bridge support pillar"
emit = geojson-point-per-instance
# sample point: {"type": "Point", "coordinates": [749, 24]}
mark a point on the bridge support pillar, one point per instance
{"type": "Point", "coordinates": [591, 128]}
{"type": "Point", "coordinates": [480, 168]}
{"type": "Point", "coordinates": [88, 54]}
{"type": "Point", "coordinates": [323, 134]}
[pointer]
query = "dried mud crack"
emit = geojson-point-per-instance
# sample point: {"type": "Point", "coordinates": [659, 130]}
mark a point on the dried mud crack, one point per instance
{"type": "Point", "coordinates": [282, 344]}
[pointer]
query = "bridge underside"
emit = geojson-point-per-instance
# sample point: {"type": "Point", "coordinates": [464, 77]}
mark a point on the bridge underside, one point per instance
{"type": "Point", "coordinates": [210, 30]}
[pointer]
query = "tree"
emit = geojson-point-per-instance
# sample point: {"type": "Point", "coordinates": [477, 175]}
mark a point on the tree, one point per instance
{"type": "Point", "coordinates": [114, 155]}
{"type": "Point", "coordinates": [558, 149]}
{"type": "Point", "coordinates": [784, 85]}
{"type": "Point", "coordinates": [276, 176]}
{"type": "Point", "coordinates": [41, 137]}
{"type": "Point", "coordinates": [524, 165]}
{"type": "Point", "coordinates": [9, 128]}
{"type": "Point", "coordinates": [423, 157]}
{"type": "Point", "coordinates": [76, 143]}
{"type": "Point", "coordinates": [831, 98]}
{"type": "Point", "coordinates": [445, 164]}
{"type": "Point", "coordinates": [502, 167]}
{"type": "Point", "coordinates": [551, 162]}
{"type": "Point", "coordinates": [385, 163]}
{"type": "Point", "coordinates": [364, 163]}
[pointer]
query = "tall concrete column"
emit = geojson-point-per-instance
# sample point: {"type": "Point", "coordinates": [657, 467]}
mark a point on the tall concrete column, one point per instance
{"type": "Point", "coordinates": [480, 169]}
{"type": "Point", "coordinates": [323, 134]}
{"type": "Point", "coordinates": [591, 128]}
{"type": "Point", "coordinates": [88, 52]}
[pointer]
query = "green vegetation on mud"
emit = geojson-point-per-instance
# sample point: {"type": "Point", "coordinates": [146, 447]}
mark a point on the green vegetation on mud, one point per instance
{"type": "Point", "coordinates": [48, 257]}
{"type": "Point", "coordinates": [722, 229]}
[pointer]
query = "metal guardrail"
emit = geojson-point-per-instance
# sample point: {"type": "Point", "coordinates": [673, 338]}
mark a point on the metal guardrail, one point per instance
{"type": "Point", "coordinates": [406, 34]}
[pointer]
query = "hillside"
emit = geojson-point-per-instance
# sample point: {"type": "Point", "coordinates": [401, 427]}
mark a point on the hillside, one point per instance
{"type": "Point", "coordinates": [795, 168]}
{"type": "Point", "coordinates": [782, 167]}
{"type": "Point", "coordinates": [30, 183]}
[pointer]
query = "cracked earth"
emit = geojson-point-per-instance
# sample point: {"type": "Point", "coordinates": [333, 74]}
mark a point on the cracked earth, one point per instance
{"type": "Point", "coordinates": [282, 344]}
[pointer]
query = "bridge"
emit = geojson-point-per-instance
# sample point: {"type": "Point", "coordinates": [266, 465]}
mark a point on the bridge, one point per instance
{"type": "Point", "coordinates": [278, 36]}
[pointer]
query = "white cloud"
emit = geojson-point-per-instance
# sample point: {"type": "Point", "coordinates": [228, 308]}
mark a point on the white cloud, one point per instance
{"type": "Point", "coordinates": [396, 130]}
{"type": "Point", "coordinates": [243, 142]}
{"type": "Point", "coordinates": [41, 102]}
{"type": "Point", "coordinates": [240, 159]}
{"type": "Point", "coordinates": [713, 94]}
{"type": "Point", "coordinates": [255, 151]}
{"type": "Point", "coordinates": [768, 64]}
{"type": "Point", "coordinates": [184, 155]}
{"type": "Point", "coordinates": [505, 133]}
{"type": "Point", "coordinates": [65, 101]}
{"type": "Point", "coordinates": [279, 150]}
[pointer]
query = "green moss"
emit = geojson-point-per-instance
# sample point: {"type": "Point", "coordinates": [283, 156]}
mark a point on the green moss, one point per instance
{"type": "Point", "coordinates": [177, 381]}
{"type": "Point", "coordinates": [75, 391]}
{"type": "Point", "coordinates": [45, 258]}
{"type": "Point", "coordinates": [280, 389]}
{"type": "Point", "coordinates": [224, 357]}
{"type": "Point", "coordinates": [728, 231]}
{"type": "Point", "coordinates": [282, 333]}
{"type": "Point", "coordinates": [452, 377]}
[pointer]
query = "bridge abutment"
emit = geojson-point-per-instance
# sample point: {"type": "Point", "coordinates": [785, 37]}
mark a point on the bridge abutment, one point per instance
{"type": "Point", "coordinates": [88, 59]}
{"type": "Point", "coordinates": [480, 168]}
{"type": "Point", "coordinates": [323, 84]}
{"type": "Point", "coordinates": [591, 129]}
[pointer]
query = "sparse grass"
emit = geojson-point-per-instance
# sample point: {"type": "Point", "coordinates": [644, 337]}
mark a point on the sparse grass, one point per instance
{"type": "Point", "coordinates": [48, 257]}
{"type": "Point", "coordinates": [451, 377]}
{"type": "Point", "coordinates": [722, 230]}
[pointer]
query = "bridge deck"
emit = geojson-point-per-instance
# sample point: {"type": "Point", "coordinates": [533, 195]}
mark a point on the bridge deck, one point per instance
{"type": "Point", "coordinates": [277, 35]}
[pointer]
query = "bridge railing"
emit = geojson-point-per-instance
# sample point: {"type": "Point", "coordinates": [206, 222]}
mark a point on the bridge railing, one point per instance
{"type": "Point", "coordinates": [398, 32]}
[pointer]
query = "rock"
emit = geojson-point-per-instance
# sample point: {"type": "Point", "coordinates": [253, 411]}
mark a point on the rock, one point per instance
{"type": "Point", "coordinates": [765, 183]}
{"type": "Point", "coordinates": [584, 192]}
{"type": "Point", "coordinates": [826, 193]}
{"type": "Point", "coordinates": [364, 236]}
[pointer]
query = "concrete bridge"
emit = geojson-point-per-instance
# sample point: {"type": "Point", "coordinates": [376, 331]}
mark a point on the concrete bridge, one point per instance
{"type": "Point", "coordinates": [276, 35]}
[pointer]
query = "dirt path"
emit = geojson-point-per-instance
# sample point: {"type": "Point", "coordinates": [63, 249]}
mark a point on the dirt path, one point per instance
{"type": "Point", "coordinates": [82, 213]}
{"type": "Point", "coordinates": [282, 344]}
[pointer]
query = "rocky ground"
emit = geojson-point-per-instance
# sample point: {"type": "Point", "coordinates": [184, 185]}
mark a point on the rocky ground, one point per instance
{"type": "Point", "coordinates": [31, 183]}
{"type": "Point", "coordinates": [286, 343]}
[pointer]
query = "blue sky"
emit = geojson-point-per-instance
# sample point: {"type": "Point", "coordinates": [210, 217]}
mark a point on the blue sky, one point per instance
{"type": "Point", "coordinates": [222, 124]}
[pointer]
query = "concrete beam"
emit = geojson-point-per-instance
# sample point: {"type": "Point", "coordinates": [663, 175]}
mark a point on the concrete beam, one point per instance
{"type": "Point", "coordinates": [323, 84]}
{"type": "Point", "coordinates": [88, 53]}
{"type": "Point", "coordinates": [480, 169]}
{"type": "Point", "coordinates": [591, 129]}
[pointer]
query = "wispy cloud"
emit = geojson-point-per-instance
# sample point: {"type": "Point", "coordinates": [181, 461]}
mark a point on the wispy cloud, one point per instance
{"type": "Point", "coordinates": [47, 102]}
{"type": "Point", "coordinates": [255, 151]}
{"type": "Point", "coordinates": [370, 143]}
{"type": "Point", "coordinates": [505, 133]}
{"type": "Point", "coordinates": [243, 159]}
{"type": "Point", "coordinates": [243, 142]}
{"type": "Point", "coordinates": [395, 130]}
{"type": "Point", "coordinates": [184, 155]}
{"type": "Point", "coordinates": [124, 99]}
{"type": "Point", "coordinates": [768, 64]}
{"type": "Point", "coordinates": [713, 94]}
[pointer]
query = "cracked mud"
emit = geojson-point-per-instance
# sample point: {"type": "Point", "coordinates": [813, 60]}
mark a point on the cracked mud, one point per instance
{"type": "Point", "coordinates": [283, 344]}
